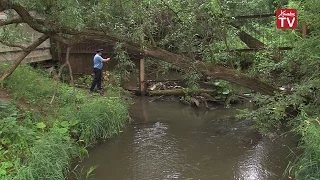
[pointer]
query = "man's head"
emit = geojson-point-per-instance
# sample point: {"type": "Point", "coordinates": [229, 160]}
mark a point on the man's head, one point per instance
{"type": "Point", "coordinates": [99, 51]}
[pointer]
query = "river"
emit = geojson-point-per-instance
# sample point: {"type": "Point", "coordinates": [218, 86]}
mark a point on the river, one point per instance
{"type": "Point", "coordinates": [168, 140]}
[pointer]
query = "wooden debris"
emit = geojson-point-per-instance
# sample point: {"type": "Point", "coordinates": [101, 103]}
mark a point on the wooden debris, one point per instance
{"type": "Point", "coordinates": [181, 92]}
{"type": "Point", "coordinates": [194, 101]}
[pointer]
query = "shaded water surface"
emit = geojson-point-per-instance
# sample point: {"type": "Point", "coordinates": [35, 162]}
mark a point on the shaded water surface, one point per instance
{"type": "Point", "coordinates": [168, 140]}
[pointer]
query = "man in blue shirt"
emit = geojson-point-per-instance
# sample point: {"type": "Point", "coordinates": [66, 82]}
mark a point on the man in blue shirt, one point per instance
{"type": "Point", "coordinates": [97, 67]}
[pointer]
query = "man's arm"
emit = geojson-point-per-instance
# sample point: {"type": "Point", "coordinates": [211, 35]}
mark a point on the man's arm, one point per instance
{"type": "Point", "coordinates": [106, 60]}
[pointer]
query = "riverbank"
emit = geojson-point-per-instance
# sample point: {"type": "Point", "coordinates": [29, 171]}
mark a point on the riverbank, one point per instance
{"type": "Point", "coordinates": [39, 139]}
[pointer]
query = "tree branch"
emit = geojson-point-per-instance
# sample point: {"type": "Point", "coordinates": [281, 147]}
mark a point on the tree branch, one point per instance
{"type": "Point", "coordinates": [11, 21]}
{"type": "Point", "coordinates": [59, 75]}
{"type": "Point", "coordinates": [153, 42]}
{"type": "Point", "coordinates": [19, 59]}
{"type": "Point", "coordinates": [12, 45]}
{"type": "Point", "coordinates": [24, 14]}
{"type": "Point", "coordinates": [4, 5]}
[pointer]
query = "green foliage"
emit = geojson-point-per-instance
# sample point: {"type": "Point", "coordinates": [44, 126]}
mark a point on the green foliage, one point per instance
{"type": "Point", "coordinates": [223, 89]}
{"type": "Point", "coordinates": [295, 109]}
{"type": "Point", "coordinates": [308, 164]}
{"type": "Point", "coordinates": [192, 79]}
{"type": "Point", "coordinates": [15, 137]}
{"type": "Point", "coordinates": [124, 64]}
{"type": "Point", "coordinates": [67, 13]}
{"type": "Point", "coordinates": [85, 80]}
{"type": "Point", "coordinates": [13, 35]}
{"type": "Point", "coordinates": [199, 30]}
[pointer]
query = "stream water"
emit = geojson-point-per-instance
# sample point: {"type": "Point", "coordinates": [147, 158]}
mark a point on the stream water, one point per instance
{"type": "Point", "coordinates": [168, 140]}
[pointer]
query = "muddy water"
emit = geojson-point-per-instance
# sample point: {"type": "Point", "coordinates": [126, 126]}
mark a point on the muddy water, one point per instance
{"type": "Point", "coordinates": [168, 140]}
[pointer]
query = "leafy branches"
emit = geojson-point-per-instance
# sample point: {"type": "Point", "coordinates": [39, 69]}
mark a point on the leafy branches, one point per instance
{"type": "Point", "coordinates": [124, 65]}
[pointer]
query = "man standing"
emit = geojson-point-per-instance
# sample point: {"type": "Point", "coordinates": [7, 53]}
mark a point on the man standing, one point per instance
{"type": "Point", "coordinates": [97, 69]}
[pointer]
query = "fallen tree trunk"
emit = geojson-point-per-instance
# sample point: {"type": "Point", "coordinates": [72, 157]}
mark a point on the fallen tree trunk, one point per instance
{"type": "Point", "coordinates": [212, 70]}
{"type": "Point", "coordinates": [180, 92]}
{"type": "Point", "coordinates": [250, 41]}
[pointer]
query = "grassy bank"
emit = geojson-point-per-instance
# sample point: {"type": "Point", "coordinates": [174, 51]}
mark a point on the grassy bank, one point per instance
{"type": "Point", "coordinates": [39, 140]}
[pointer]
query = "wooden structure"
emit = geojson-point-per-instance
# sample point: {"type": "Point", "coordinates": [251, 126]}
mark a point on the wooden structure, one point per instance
{"type": "Point", "coordinates": [81, 56]}
{"type": "Point", "coordinates": [41, 53]}
{"type": "Point", "coordinates": [81, 60]}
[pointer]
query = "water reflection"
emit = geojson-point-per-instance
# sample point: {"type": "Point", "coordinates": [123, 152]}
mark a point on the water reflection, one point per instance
{"type": "Point", "coordinates": [154, 150]}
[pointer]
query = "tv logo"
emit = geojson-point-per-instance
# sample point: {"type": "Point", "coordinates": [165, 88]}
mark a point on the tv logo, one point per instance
{"type": "Point", "coordinates": [286, 18]}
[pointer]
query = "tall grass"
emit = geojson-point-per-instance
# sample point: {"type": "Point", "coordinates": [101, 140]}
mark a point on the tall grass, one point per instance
{"type": "Point", "coordinates": [307, 166]}
{"type": "Point", "coordinates": [49, 158]}
{"type": "Point", "coordinates": [59, 130]}
{"type": "Point", "coordinates": [36, 87]}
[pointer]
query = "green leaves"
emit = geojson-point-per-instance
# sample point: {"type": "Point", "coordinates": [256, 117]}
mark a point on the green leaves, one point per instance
{"type": "Point", "coordinates": [124, 64]}
{"type": "Point", "coordinates": [192, 79]}
{"type": "Point", "coordinates": [5, 167]}
{"type": "Point", "coordinates": [41, 125]}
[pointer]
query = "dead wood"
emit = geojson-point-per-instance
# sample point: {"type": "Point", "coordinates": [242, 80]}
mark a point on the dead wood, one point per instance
{"type": "Point", "coordinates": [180, 92]}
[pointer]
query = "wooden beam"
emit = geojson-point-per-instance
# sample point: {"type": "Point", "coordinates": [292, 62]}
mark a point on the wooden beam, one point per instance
{"type": "Point", "coordinates": [258, 49]}
{"type": "Point", "coordinates": [304, 30]}
{"type": "Point", "coordinates": [142, 77]}
{"type": "Point", "coordinates": [255, 16]}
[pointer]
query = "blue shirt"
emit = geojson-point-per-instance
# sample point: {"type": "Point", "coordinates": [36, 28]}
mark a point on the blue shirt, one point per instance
{"type": "Point", "coordinates": [97, 61]}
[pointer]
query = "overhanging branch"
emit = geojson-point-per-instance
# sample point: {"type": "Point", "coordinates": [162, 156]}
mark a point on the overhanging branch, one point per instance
{"type": "Point", "coordinates": [11, 21]}
{"type": "Point", "coordinates": [12, 44]}
{"type": "Point", "coordinates": [24, 54]}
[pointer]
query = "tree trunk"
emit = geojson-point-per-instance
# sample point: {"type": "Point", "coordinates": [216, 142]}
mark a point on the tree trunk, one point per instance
{"type": "Point", "coordinates": [250, 41]}
{"type": "Point", "coordinates": [212, 70]}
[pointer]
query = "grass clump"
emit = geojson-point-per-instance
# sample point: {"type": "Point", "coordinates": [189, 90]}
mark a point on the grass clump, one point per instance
{"type": "Point", "coordinates": [101, 119]}
{"type": "Point", "coordinates": [49, 157]}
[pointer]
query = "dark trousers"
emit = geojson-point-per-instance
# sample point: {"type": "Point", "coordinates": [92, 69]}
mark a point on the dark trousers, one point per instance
{"type": "Point", "coordinates": [97, 79]}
